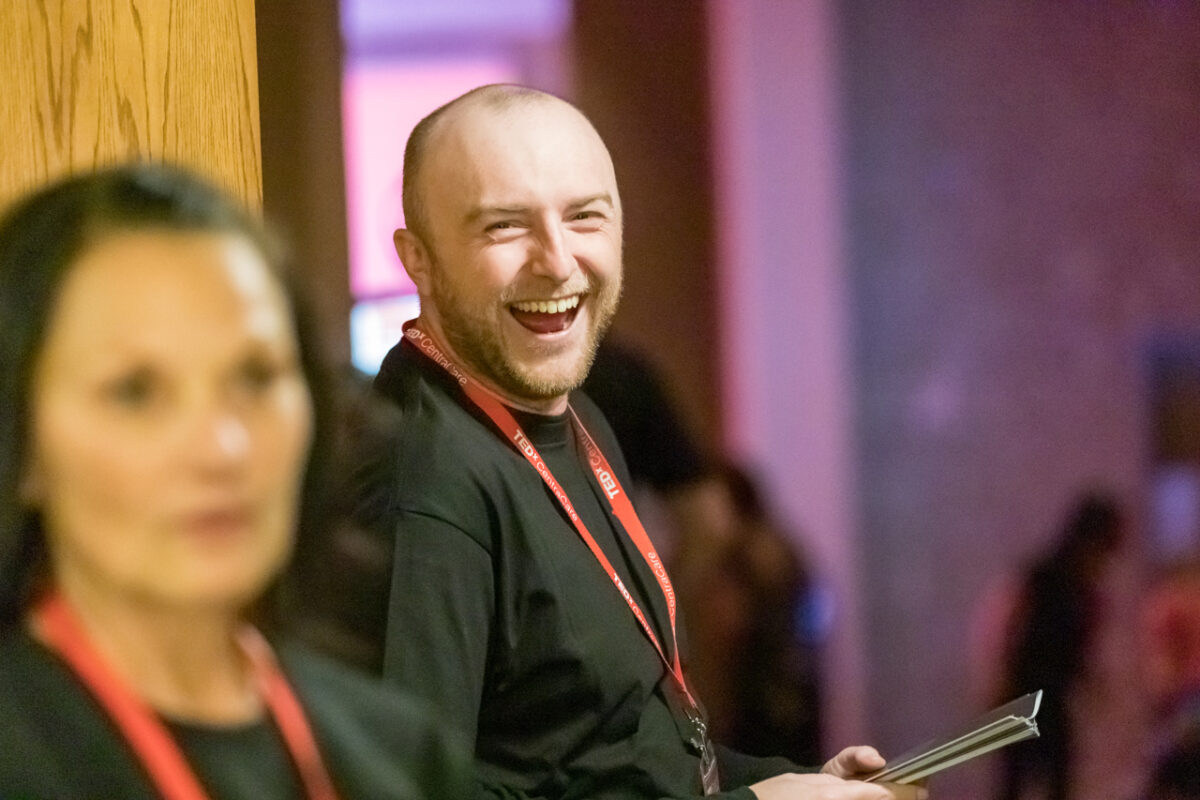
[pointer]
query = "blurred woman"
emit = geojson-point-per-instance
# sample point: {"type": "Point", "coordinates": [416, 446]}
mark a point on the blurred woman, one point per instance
{"type": "Point", "coordinates": [158, 408]}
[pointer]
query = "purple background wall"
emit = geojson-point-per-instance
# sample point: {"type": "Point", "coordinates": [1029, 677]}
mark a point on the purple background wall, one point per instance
{"type": "Point", "coordinates": [1024, 213]}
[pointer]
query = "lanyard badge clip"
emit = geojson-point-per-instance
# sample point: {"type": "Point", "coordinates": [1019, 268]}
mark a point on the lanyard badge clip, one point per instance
{"type": "Point", "coordinates": [703, 746]}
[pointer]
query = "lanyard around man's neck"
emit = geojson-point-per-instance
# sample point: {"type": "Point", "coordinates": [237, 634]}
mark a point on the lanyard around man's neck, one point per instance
{"type": "Point", "coordinates": [618, 500]}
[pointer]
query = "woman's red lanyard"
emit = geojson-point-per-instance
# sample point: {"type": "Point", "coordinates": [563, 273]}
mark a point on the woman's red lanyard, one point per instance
{"type": "Point", "coordinates": [59, 628]}
{"type": "Point", "coordinates": [503, 419]}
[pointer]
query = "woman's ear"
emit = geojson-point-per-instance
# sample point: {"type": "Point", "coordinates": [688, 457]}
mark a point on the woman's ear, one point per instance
{"type": "Point", "coordinates": [29, 490]}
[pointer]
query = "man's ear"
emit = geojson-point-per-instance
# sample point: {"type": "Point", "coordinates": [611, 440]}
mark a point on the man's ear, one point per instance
{"type": "Point", "coordinates": [415, 258]}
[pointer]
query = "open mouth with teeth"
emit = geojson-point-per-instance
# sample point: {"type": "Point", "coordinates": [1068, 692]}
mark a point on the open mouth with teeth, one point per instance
{"type": "Point", "coordinates": [546, 316]}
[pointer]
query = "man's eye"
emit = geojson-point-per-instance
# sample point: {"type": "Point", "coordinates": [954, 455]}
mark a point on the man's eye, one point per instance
{"type": "Point", "coordinates": [500, 226]}
{"type": "Point", "coordinates": [591, 217]}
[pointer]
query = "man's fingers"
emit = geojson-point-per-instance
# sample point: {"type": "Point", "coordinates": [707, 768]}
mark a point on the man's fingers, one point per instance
{"type": "Point", "coordinates": [854, 761]}
{"type": "Point", "coordinates": [830, 787]}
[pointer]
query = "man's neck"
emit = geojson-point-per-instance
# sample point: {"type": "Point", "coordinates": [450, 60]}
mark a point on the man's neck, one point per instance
{"type": "Point", "coordinates": [547, 407]}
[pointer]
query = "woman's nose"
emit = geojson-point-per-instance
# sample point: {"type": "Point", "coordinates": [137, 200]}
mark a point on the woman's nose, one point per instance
{"type": "Point", "coordinates": [223, 438]}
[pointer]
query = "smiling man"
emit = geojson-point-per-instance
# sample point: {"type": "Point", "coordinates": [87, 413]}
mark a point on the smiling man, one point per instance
{"type": "Point", "coordinates": [527, 601]}
{"type": "Point", "coordinates": [514, 242]}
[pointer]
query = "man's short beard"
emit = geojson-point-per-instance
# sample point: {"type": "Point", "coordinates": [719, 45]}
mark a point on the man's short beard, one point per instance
{"type": "Point", "coordinates": [479, 346]}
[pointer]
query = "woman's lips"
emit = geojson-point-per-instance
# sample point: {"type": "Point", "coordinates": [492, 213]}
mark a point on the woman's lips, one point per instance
{"type": "Point", "coordinates": [219, 523]}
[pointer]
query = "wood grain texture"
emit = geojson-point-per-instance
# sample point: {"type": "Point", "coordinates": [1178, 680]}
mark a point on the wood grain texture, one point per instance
{"type": "Point", "coordinates": [94, 82]}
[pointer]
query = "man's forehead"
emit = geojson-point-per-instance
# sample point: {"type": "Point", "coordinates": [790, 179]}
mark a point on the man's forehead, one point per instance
{"type": "Point", "coordinates": [481, 127]}
{"type": "Point", "coordinates": [488, 111]}
{"type": "Point", "coordinates": [481, 150]}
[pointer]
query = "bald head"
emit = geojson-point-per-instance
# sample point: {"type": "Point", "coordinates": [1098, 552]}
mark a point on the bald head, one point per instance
{"type": "Point", "coordinates": [513, 239]}
{"type": "Point", "coordinates": [497, 99]}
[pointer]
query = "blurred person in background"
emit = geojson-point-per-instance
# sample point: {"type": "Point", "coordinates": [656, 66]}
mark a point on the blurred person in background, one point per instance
{"type": "Point", "coordinates": [747, 593]}
{"type": "Point", "coordinates": [666, 462]}
{"type": "Point", "coordinates": [1171, 644]}
{"type": "Point", "coordinates": [1040, 632]}
{"type": "Point", "coordinates": [347, 574]}
{"type": "Point", "coordinates": [770, 639]}
{"type": "Point", "coordinates": [161, 399]}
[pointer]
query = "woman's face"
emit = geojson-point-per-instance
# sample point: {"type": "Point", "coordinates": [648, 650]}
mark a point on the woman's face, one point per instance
{"type": "Point", "coordinates": [170, 421]}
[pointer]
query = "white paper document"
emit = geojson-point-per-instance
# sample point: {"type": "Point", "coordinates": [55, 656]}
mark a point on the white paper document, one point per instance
{"type": "Point", "coordinates": [1011, 722]}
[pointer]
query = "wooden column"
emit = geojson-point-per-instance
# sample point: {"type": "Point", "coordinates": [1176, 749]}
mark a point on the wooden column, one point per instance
{"type": "Point", "coordinates": [93, 82]}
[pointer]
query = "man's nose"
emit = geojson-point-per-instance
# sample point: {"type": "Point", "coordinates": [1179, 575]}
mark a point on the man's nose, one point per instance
{"type": "Point", "coordinates": [554, 259]}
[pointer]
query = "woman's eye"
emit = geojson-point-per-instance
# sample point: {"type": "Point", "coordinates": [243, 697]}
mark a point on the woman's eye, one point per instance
{"type": "Point", "coordinates": [135, 390]}
{"type": "Point", "coordinates": [258, 376]}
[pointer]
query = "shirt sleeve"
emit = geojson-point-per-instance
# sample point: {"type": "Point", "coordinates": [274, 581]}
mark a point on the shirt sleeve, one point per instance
{"type": "Point", "coordinates": [439, 626]}
{"type": "Point", "coordinates": [439, 618]}
{"type": "Point", "coordinates": [739, 769]}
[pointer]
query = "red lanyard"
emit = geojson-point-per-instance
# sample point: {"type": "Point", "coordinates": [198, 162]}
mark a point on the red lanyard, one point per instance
{"type": "Point", "coordinates": [59, 628]}
{"type": "Point", "coordinates": [618, 500]}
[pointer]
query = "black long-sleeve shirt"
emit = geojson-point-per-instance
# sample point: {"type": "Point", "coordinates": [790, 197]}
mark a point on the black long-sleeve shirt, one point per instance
{"type": "Point", "coordinates": [504, 621]}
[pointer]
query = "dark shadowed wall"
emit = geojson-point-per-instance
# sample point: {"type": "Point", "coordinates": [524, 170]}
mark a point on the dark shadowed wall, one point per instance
{"type": "Point", "coordinates": [300, 80]}
{"type": "Point", "coordinates": [641, 76]}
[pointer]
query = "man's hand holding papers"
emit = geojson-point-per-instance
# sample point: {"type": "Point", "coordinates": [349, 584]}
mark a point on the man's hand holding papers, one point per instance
{"type": "Point", "coordinates": [1010, 723]}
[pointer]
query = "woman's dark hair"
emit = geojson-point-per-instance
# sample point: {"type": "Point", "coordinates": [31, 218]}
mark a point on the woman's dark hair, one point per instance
{"type": "Point", "coordinates": [41, 238]}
